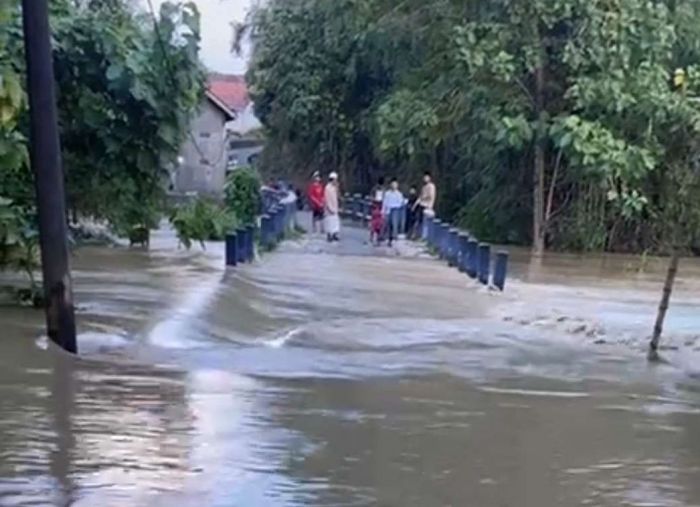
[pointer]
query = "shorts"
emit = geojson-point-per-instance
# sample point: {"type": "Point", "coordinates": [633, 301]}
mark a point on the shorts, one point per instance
{"type": "Point", "coordinates": [317, 214]}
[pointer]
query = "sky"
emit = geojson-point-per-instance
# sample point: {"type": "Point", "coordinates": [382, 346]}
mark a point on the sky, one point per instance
{"type": "Point", "coordinates": [218, 16]}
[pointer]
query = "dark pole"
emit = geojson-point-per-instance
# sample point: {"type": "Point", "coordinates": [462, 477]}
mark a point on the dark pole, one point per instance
{"type": "Point", "coordinates": [45, 155]}
{"type": "Point", "coordinates": [231, 250]}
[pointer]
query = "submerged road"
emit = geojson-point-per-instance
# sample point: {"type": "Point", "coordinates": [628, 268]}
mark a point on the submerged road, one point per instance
{"type": "Point", "coordinates": [341, 374]}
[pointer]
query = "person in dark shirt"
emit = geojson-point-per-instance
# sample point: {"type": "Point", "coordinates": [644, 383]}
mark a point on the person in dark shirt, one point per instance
{"type": "Point", "coordinates": [411, 214]}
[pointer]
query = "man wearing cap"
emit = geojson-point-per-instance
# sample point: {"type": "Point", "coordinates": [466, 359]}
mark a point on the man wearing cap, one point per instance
{"type": "Point", "coordinates": [332, 208]}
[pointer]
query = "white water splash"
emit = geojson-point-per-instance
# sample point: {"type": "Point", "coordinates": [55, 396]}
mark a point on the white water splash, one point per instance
{"type": "Point", "coordinates": [172, 332]}
{"type": "Point", "coordinates": [281, 341]}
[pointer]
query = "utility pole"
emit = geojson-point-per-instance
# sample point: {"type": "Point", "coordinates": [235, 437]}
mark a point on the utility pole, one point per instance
{"type": "Point", "coordinates": [45, 156]}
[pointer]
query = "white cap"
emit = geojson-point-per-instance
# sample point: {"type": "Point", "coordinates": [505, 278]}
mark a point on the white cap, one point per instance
{"type": "Point", "coordinates": [333, 176]}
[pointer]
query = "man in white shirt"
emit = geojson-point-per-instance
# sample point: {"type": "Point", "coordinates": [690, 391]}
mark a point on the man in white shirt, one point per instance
{"type": "Point", "coordinates": [332, 208]}
{"type": "Point", "coordinates": [425, 206]}
{"type": "Point", "coordinates": [391, 208]}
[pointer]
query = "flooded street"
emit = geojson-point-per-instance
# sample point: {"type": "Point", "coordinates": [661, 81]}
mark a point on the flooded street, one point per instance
{"type": "Point", "coordinates": [341, 375]}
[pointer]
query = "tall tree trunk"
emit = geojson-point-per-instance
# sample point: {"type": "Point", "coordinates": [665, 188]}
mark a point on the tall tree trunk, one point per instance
{"type": "Point", "coordinates": [538, 219]}
{"type": "Point", "coordinates": [663, 306]}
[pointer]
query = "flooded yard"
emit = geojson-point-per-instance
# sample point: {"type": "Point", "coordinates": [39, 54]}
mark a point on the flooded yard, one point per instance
{"type": "Point", "coordinates": [344, 375]}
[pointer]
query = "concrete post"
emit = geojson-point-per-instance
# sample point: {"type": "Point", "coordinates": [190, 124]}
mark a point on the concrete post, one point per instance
{"type": "Point", "coordinates": [472, 257]}
{"type": "Point", "coordinates": [463, 252]}
{"type": "Point", "coordinates": [231, 250]}
{"type": "Point", "coordinates": [500, 270]}
{"type": "Point", "coordinates": [453, 247]}
{"type": "Point", "coordinates": [484, 263]}
{"type": "Point", "coordinates": [240, 245]}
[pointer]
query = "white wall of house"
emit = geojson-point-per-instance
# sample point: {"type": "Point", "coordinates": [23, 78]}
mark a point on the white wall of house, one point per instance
{"type": "Point", "coordinates": [203, 167]}
{"type": "Point", "coordinates": [245, 121]}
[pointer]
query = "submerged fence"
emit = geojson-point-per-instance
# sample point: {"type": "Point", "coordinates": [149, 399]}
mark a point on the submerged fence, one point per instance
{"type": "Point", "coordinates": [460, 249]}
{"type": "Point", "coordinates": [276, 221]}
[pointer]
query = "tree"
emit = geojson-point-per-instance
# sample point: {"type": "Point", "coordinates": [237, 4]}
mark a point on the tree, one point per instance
{"type": "Point", "coordinates": [645, 138]}
{"type": "Point", "coordinates": [127, 86]}
{"type": "Point", "coordinates": [496, 97]}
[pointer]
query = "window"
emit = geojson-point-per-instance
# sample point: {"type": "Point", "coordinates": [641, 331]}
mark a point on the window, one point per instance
{"type": "Point", "coordinates": [205, 135]}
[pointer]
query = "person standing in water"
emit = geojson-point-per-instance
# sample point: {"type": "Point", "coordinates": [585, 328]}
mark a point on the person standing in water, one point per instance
{"type": "Point", "coordinates": [316, 202]}
{"type": "Point", "coordinates": [391, 208]}
{"type": "Point", "coordinates": [332, 208]}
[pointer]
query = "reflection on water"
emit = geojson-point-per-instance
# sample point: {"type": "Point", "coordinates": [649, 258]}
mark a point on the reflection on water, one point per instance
{"type": "Point", "coordinates": [320, 379]}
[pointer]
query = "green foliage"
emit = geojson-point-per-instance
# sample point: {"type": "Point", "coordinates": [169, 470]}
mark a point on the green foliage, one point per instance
{"type": "Point", "coordinates": [202, 220]}
{"type": "Point", "coordinates": [242, 194]}
{"type": "Point", "coordinates": [560, 113]}
{"type": "Point", "coordinates": [126, 90]}
{"type": "Point", "coordinates": [19, 246]}
{"type": "Point", "coordinates": [18, 235]}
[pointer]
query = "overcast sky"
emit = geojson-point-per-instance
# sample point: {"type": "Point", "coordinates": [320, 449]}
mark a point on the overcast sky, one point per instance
{"type": "Point", "coordinates": [217, 32]}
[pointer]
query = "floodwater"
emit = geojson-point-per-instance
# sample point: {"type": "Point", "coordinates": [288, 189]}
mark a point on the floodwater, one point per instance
{"type": "Point", "coordinates": [344, 376]}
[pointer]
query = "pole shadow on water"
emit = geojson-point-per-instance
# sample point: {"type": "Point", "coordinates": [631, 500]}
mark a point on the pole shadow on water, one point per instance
{"type": "Point", "coordinates": [62, 410]}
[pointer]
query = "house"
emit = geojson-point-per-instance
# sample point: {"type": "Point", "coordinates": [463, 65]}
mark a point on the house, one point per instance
{"type": "Point", "coordinates": [204, 157]}
{"type": "Point", "coordinates": [244, 144]}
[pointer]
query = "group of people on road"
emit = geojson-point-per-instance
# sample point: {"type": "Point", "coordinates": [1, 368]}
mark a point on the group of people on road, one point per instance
{"type": "Point", "coordinates": [388, 203]}
{"type": "Point", "coordinates": [324, 201]}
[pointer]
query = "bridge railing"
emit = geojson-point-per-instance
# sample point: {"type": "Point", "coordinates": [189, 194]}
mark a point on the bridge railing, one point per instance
{"type": "Point", "coordinates": [464, 251]}
{"type": "Point", "coordinates": [459, 248]}
{"type": "Point", "coordinates": [277, 219]}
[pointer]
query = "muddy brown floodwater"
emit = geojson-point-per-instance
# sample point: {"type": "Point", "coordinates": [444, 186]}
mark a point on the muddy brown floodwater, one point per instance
{"type": "Point", "coordinates": [342, 375]}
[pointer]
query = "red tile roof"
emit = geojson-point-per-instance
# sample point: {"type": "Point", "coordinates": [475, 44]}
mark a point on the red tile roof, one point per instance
{"type": "Point", "coordinates": [231, 89]}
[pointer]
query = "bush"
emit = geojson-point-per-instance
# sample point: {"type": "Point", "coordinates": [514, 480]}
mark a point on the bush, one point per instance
{"type": "Point", "coordinates": [202, 220]}
{"type": "Point", "coordinates": [19, 247]}
{"type": "Point", "coordinates": [242, 194]}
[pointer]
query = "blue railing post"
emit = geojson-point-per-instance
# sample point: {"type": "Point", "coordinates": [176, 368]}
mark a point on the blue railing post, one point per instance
{"type": "Point", "coordinates": [438, 237]}
{"type": "Point", "coordinates": [240, 245]}
{"type": "Point", "coordinates": [472, 257]}
{"type": "Point", "coordinates": [500, 270]}
{"type": "Point", "coordinates": [453, 247]}
{"type": "Point", "coordinates": [231, 250]}
{"type": "Point", "coordinates": [444, 240]}
{"type": "Point", "coordinates": [463, 252]}
{"type": "Point", "coordinates": [484, 263]}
